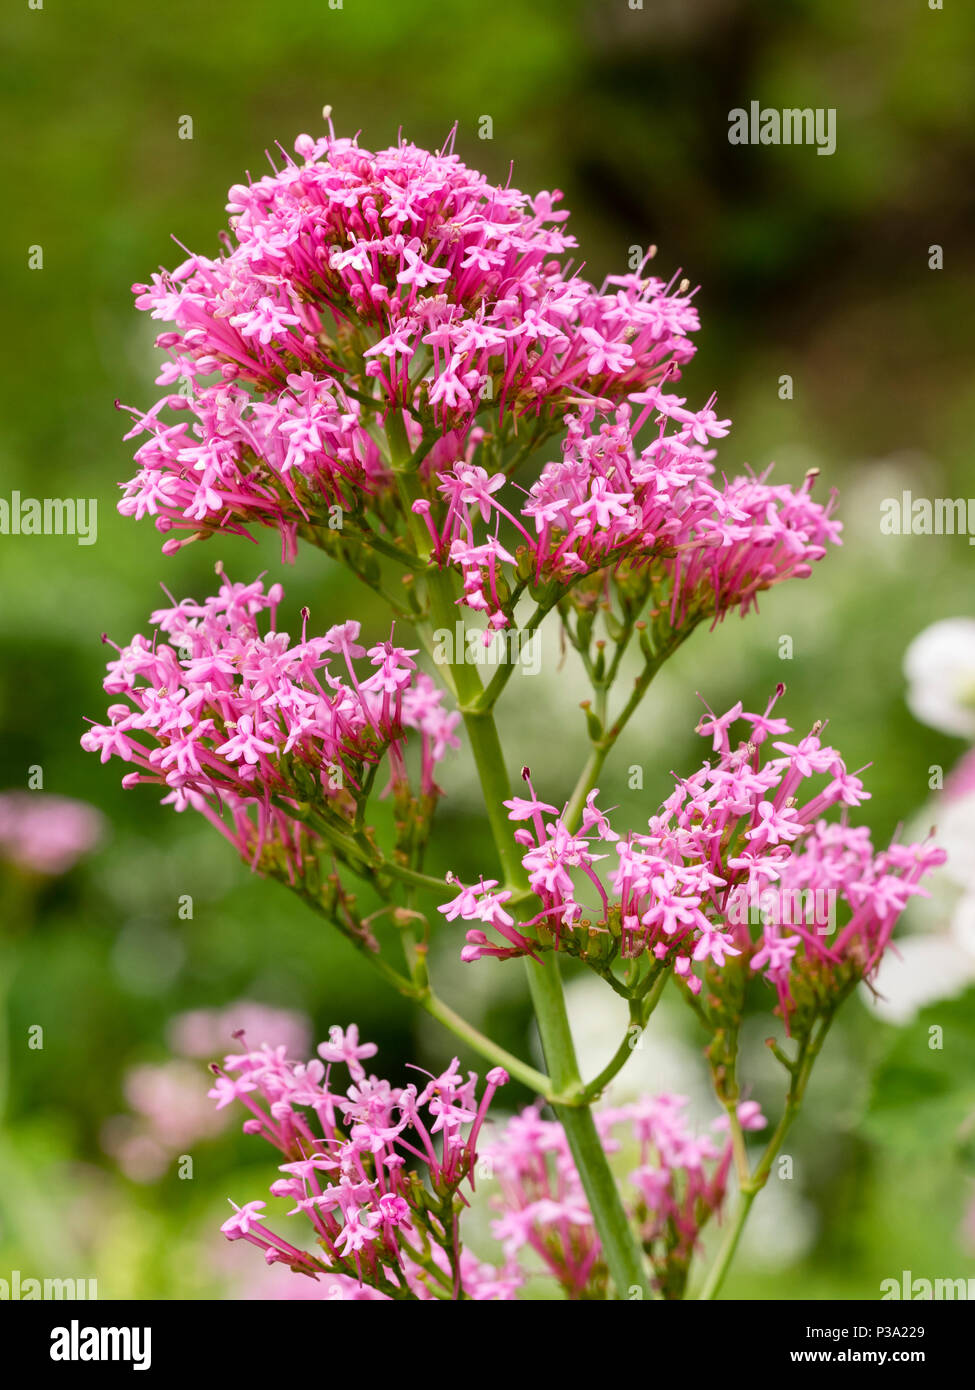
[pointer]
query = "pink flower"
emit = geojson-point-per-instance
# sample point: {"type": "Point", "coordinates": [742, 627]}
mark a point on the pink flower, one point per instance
{"type": "Point", "coordinates": [265, 321]}
{"type": "Point", "coordinates": [512, 332]}
{"type": "Point", "coordinates": [226, 1090]}
{"type": "Point", "coordinates": [245, 744]}
{"type": "Point", "coordinates": [244, 1220]}
{"type": "Point", "coordinates": [345, 1047]}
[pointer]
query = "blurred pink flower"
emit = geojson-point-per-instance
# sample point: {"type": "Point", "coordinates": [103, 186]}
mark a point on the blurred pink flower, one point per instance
{"type": "Point", "coordinates": [680, 1181]}
{"type": "Point", "coordinates": [170, 1109]}
{"type": "Point", "coordinates": [46, 834]}
{"type": "Point", "coordinates": [205, 1032]}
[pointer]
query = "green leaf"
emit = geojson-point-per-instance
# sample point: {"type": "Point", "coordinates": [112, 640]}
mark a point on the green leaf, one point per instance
{"type": "Point", "coordinates": [923, 1095]}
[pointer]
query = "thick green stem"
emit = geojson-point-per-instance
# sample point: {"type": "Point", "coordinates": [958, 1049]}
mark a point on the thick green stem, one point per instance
{"type": "Point", "coordinates": [622, 1253]}
{"type": "Point", "coordinates": [621, 1250]}
{"type": "Point", "coordinates": [640, 1011]}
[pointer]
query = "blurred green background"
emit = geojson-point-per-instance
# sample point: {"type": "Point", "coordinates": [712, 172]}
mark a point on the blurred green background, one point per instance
{"type": "Point", "coordinates": [812, 267]}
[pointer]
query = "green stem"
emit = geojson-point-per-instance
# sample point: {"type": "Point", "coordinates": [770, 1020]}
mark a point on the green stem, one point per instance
{"type": "Point", "coordinates": [620, 1248]}
{"type": "Point", "coordinates": [602, 747]}
{"type": "Point", "coordinates": [412, 876]}
{"type": "Point", "coordinates": [729, 1245]}
{"type": "Point", "coordinates": [640, 1011]}
{"type": "Point", "coordinates": [752, 1186]}
{"type": "Point", "coordinates": [622, 1252]}
{"type": "Point", "coordinates": [492, 693]}
{"type": "Point", "coordinates": [587, 780]}
{"type": "Point", "coordinates": [536, 1081]}
{"type": "Point", "coordinates": [432, 1004]}
{"type": "Point", "coordinates": [365, 866]}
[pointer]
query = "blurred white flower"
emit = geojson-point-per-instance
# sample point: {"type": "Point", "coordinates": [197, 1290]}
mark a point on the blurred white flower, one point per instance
{"type": "Point", "coordinates": [937, 961]}
{"type": "Point", "coordinates": [955, 821]}
{"type": "Point", "coordinates": [782, 1228]}
{"type": "Point", "coordinates": [917, 971]}
{"type": "Point", "coordinates": [940, 669]}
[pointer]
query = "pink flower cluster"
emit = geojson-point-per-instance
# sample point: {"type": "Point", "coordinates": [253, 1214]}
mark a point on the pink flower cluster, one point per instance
{"type": "Point", "coordinates": [232, 721]}
{"type": "Point", "coordinates": [353, 1166]}
{"type": "Point", "coordinates": [679, 1180]}
{"type": "Point", "coordinates": [45, 834]}
{"type": "Point", "coordinates": [404, 272]}
{"type": "Point", "coordinates": [708, 548]}
{"type": "Point", "coordinates": [740, 834]}
{"type": "Point", "coordinates": [363, 295]}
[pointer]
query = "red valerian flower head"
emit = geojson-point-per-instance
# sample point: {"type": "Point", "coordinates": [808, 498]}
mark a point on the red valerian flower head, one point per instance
{"type": "Point", "coordinates": [354, 284]}
{"type": "Point", "coordinates": [351, 1169]}
{"type": "Point", "coordinates": [263, 736]}
{"type": "Point", "coordinates": [740, 843]}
